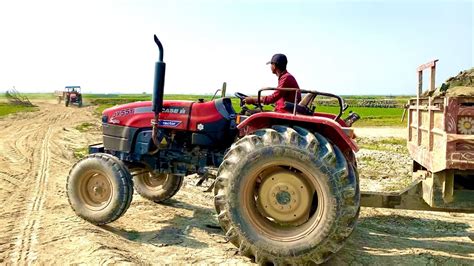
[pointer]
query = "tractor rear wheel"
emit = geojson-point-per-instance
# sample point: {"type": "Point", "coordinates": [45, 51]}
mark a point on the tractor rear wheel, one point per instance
{"type": "Point", "coordinates": [287, 196]}
{"type": "Point", "coordinates": [99, 188]}
{"type": "Point", "coordinates": [156, 187]}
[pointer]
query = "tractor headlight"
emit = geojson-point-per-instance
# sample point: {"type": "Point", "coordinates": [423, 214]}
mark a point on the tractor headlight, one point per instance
{"type": "Point", "coordinates": [104, 119]}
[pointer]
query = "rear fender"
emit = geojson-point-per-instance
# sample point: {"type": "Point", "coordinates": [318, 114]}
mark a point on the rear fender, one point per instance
{"type": "Point", "coordinates": [323, 125]}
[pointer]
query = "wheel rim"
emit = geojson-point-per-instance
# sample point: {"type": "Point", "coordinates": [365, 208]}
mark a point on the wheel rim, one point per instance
{"type": "Point", "coordinates": [283, 200]}
{"type": "Point", "coordinates": [96, 190]}
{"type": "Point", "coordinates": [152, 181]}
{"type": "Point", "coordinates": [284, 196]}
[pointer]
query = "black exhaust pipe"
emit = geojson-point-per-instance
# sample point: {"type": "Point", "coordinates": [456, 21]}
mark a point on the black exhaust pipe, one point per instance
{"type": "Point", "coordinates": [158, 90]}
{"type": "Point", "coordinates": [159, 82]}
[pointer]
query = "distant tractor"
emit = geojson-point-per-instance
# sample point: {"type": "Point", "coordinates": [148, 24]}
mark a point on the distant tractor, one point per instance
{"type": "Point", "coordinates": [70, 95]}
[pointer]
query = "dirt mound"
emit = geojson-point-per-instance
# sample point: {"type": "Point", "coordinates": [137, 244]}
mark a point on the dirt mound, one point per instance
{"type": "Point", "coordinates": [464, 78]}
{"type": "Point", "coordinates": [460, 85]}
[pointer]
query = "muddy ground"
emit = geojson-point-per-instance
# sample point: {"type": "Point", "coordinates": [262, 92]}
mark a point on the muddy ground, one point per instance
{"type": "Point", "coordinates": [38, 226]}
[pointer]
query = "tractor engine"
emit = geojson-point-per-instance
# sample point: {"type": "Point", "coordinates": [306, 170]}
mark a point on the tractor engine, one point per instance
{"type": "Point", "coordinates": [190, 135]}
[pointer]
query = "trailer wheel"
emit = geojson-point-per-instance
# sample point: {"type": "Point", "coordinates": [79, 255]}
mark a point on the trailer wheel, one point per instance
{"type": "Point", "coordinates": [99, 188]}
{"type": "Point", "coordinates": [286, 196]}
{"type": "Point", "coordinates": [156, 187]}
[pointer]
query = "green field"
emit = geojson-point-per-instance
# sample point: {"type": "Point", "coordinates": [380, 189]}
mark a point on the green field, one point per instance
{"type": "Point", "coordinates": [371, 116]}
{"type": "Point", "coordinates": [36, 96]}
{"type": "Point", "coordinates": [6, 109]}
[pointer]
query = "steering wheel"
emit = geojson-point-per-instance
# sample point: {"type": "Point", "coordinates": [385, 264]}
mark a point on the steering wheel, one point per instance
{"type": "Point", "coordinates": [242, 96]}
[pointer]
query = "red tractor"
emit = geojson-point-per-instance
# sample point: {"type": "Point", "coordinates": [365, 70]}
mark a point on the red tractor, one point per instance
{"type": "Point", "coordinates": [70, 95]}
{"type": "Point", "coordinates": [286, 189]}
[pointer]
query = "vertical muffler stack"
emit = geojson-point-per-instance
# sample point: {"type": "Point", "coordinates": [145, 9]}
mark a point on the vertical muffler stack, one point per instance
{"type": "Point", "coordinates": [158, 90]}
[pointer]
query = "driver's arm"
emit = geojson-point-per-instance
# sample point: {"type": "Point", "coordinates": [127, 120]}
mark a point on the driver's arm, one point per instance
{"type": "Point", "coordinates": [284, 82]}
{"type": "Point", "coordinates": [265, 99]}
{"type": "Point", "coordinates": [275, 96]}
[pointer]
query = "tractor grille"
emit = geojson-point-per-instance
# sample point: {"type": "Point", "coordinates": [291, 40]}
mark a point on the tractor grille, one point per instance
{"type": "Point", "coordinates": [118, 138]}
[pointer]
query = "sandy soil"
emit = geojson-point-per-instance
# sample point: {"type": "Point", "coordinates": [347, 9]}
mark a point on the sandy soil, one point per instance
{"type": "Point", "coordinates": [38, 226]}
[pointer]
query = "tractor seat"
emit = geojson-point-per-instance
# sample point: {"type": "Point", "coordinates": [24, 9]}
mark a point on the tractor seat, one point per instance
{"type": "Point", "coordinates": [300, 109]}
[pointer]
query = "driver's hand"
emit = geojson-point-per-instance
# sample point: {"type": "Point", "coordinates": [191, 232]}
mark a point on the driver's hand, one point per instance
{"type": "Point", "coordinates": [250, 100]}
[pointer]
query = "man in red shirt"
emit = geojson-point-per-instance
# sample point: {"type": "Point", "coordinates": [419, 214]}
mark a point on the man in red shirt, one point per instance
{"type": "Point", "coordinates": [285, 80]}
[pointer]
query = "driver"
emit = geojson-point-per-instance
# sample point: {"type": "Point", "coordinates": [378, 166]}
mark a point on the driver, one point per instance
{"type": "Point", "coordinates": [285, 80]}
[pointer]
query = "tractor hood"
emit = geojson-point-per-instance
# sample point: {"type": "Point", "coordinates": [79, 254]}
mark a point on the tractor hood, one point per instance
{"type": "Point", "coordinates": [140, 114]}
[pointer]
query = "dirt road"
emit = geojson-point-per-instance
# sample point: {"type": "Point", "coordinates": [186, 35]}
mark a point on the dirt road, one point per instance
{"type": "Point", "coordinates": [38, 226]}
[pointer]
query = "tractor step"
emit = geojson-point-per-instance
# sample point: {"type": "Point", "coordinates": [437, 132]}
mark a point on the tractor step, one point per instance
{"type": "Point", "coordinates": [96, 148]}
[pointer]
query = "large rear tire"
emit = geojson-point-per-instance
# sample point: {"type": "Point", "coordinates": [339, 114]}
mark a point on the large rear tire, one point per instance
{"type": "Point", "coordinates": [99, 188]}
{"type": "Point", "coordinates": [287, 196]}
{"type": "Point", "coordinates": [156, 187]}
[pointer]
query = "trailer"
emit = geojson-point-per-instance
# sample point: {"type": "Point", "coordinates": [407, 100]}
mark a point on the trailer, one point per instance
{"type": "Point", "coordinates": [441, 142]}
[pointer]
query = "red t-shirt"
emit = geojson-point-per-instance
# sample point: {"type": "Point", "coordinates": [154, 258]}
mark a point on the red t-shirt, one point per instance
{"type": "Point", "coordinates": [286, 80]}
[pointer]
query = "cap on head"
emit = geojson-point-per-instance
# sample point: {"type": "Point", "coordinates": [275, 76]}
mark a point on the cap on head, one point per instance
{"type": "Point", "coordinates": [279, 60]}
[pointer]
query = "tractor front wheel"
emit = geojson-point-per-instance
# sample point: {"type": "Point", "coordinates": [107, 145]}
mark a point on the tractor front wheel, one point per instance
{"type": "Point", "coordinates": [99, 188]}
{"type": "Point", "coordinates": [79, 101]}
{"type": "Point", "coordinates": [156, 187]}
{"type": "Point", "coordinates": [286, 196]}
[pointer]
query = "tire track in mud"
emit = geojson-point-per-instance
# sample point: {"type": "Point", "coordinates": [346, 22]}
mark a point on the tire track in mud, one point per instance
{"type": "Point", "coordinates": [31, 160]}
{"type": "Point", "coordinates": [25, 247]}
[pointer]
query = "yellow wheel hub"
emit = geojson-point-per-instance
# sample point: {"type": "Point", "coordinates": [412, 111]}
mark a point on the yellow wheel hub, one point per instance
{"type": "Point", "coordinates": [284, 197]}
{"type": "Point", "coordinates": [97, 190]}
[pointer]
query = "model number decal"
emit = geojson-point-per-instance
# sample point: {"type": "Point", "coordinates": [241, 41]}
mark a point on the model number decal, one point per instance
{"type": "Point", "coordinates": [123, 112]}
{"type": "Point", "coordinates": [175, 110]}
{"type": "Point", "coordinates": [169, 123]}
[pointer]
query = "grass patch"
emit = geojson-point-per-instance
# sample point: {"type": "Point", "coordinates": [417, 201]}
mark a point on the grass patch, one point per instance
{"type": "Point", "coordinates": [80, 153]}
{"type": "Point", "coordinates": [101, 107]}
{"type": "Point", "coordinates": [86, 126]}
{"type": "Point", "coordinates": [43, 96]}
{"type": "Point", "coordinates": [387, 144]}
{"type": "Point", "coordinates": [6, 108]}
{"type": "Point", "coordinates": [380, 122]}
{"type": "Point", "coordinates": [370, 116]}
{"type": "Point", "coordinates": [394, 141]}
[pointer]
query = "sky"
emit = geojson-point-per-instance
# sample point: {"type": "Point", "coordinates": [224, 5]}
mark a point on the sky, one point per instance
{"type": "Point", "coordinates": [343, 47]}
